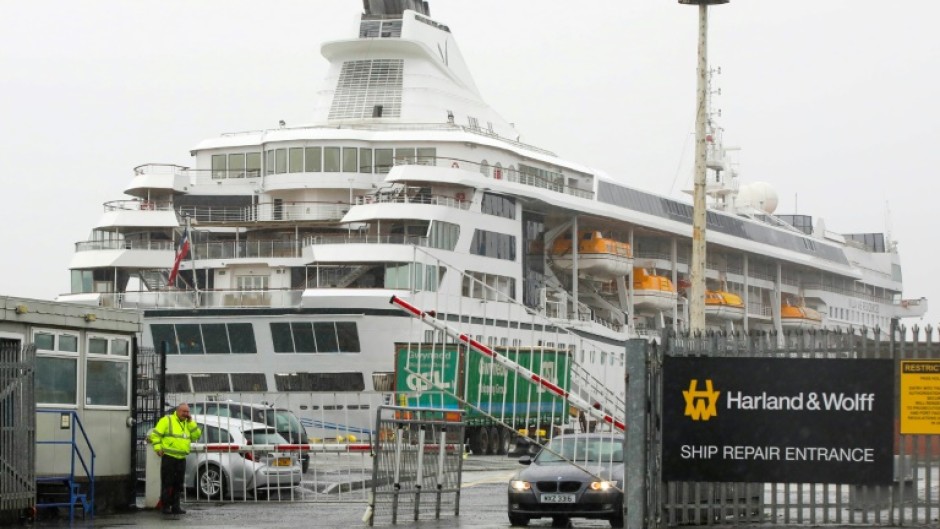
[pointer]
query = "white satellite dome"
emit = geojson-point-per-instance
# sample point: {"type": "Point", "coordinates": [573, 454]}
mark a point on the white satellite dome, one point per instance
{"type": "Point", "coordinates": [759, 195]}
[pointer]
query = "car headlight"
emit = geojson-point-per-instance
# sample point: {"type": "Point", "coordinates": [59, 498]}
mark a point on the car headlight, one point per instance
{"type": "Point", "coordinates": [603, 485]}
{"type": "Point", "coordinates": [519, 486]}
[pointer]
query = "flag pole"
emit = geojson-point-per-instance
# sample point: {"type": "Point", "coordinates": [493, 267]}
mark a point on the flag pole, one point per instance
{"type": "Point", "coordinates": [192, 254]}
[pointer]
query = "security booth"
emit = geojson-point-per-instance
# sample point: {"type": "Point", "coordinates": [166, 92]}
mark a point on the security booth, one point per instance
{"type": "Point", "coordinates": [68, 370]}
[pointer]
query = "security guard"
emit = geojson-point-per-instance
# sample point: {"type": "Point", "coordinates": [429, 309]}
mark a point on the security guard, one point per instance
{"type": "Point", "coordinates": [171, 437]}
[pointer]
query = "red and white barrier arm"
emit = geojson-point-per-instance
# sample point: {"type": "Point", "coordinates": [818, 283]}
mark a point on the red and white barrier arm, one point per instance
{"type": "Point", "coordinates": [224, 448]}
{"type": "Point", "coordinates": [576, 401]}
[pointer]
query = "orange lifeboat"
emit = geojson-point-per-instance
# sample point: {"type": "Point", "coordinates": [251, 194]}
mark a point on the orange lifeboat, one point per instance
{"type": "Point", "coordinates": [598, 256]}
{"type": "Point", "coordinates": [652, 292]}
{"type": "Point", "coordinates": [724, 305]}
{"type": "Point", "coordinates": [799, 317]}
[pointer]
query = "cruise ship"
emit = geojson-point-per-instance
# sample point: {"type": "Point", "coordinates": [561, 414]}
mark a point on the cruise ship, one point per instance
{"type": "Point", "coordinates": [406, 183]}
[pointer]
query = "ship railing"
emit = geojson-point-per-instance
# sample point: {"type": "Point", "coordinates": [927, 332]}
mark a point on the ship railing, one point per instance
{"type": "Point", "coordinates": [509, 174]}
{"type": "Point", "coordinates": [160, 169]}
{"type": "Point", "coordinates": [246, 249]}
{"type": "Point", "coordinates": [138, 205]}
{"type": "Point", "coordinates": [216, 298]}
{"type": "Point", "coordinates": [286, 212]}
{"type": "Point", "coordinates": [434, 200]}
{"type": "Point", "coordinates": [852, 293]}
{"type": "Point", "coordinates": [86, 246]}
{"type": "Point", "coordinates": [366, 239]}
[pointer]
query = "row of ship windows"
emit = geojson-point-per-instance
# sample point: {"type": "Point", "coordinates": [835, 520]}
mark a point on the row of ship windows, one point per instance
{"type": "Point", "coordinates": [592, 356]}
{"type": "Point", "coordinates": [862, 318]}
{"type": "Point", "coordinates": [239, 338]}
{"type": "Point", "coordinates": [288, 382]}
{"type": "Point", "coordinates": [106, 370]}
{"type": "Point", "coordinates": [317, 160]}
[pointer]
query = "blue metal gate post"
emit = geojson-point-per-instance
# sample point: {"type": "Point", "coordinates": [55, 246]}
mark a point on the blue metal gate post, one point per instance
{"type": "Point", "coordinates": [637, 367]}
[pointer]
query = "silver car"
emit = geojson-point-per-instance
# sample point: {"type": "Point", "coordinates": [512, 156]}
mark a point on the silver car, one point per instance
{"type": "Point", "coordinates": [230, 474]}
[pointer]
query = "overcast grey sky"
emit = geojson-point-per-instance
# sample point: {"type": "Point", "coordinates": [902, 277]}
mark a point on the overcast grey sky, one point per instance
{"type": "Point", "coordinates": [832, 102]}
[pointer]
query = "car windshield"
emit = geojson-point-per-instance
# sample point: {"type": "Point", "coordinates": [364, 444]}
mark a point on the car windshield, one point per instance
{"type": "Point", "coordinates": [600, 449]}
{"type": "Point", "coordinates": [284, 421]}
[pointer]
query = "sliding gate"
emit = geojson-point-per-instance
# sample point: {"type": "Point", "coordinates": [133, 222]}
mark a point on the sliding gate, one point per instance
{"type": "Point", "coordinates": [864, 472]}
{"type": "Point", "coordinates": [17, 427]}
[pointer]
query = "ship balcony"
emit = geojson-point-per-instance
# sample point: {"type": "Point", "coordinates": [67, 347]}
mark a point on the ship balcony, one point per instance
{"type": "Point", "coordinates": [288, 248]}
{"type": "Point", "coordinates": [137, 205]}
{"type": "Point", "coordinates": [160, 246]}
{"type": "Point", "coordinates": [557, 184]}
{"type": "Point", "coordinates": [122, 254]}
{"type": "Point", "coordinates": [280, 212]}
{"type": "Point", "coordinates": [458, 201]}
{"type": "Point", "coordinates": [276, 298]}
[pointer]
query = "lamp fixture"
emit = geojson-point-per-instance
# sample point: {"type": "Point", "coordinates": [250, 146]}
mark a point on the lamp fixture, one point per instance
{"type": "Point", "coordinates": [90, 317]}
{"type": "Point", "coordinates": [21, 309]}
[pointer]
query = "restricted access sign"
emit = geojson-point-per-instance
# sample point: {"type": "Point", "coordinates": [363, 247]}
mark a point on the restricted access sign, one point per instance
{"type": "Point", "coordinates": [920, 397]}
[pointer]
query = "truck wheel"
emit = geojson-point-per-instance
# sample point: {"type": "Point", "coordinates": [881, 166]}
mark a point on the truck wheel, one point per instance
{"type": "Point", "coordinates": [505, 441]}
{"type": "Point", "coordinates": [479, 440]}
{"type": "Point", "coordinates": [493, 447]}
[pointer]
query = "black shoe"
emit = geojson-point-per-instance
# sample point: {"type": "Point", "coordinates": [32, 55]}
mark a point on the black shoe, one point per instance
{"type": "Point", "coordinates": [166, 510]}
{"type": "Point", "coordinates": [178, 510]}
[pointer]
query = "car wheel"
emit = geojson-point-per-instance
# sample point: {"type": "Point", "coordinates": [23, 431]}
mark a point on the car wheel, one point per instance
{"type": "Point", "coordinates": [561, 521]}
{"type": "Point", "coordinates": [305, 465]}
{"type": "Point", "coordinates": [494, 445]}
{"type": "Point", "coordinates": [520, 520]}
{"type": "Point", "coordinates": [616, 520]}
{"type": "Point", "coordinates": [210, 483]}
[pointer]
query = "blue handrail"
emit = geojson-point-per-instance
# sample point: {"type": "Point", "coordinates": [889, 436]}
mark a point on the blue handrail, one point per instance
{"type": "Point", "coordinates": [88, 503]}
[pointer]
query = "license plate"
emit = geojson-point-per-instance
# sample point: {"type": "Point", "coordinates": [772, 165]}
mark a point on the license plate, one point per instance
{"type": "Point", "coordinates": [557, 498]}
{"type": "Point", "coordinates": [283, 462]}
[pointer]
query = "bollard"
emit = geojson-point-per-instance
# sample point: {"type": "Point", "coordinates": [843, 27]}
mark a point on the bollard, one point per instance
{"type": "Point", "coordinates": [152, 476]}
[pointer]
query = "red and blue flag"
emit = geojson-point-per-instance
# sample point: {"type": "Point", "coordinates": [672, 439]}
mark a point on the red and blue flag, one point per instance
{"type": "Point", "coordinates": [181, 253]}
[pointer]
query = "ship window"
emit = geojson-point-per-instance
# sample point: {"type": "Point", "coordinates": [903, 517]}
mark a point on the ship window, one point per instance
{"type": "Point", "coordinates": [163, 334]}
{"type": "Point", "coordinates": [253, 164]}
{"type": "Point", "coordinates": [488, 286]}
{"type": "Point", "coordinates": [269, 162]}
{"type": "Point", "coordinates": [236, 166]}
{"type": "Point", "coordinates": [313, 159]}
{"type": "Point", "coordinates": [177, 383]}
{"type": "Point", "coordinates": [383, 381]}
{"type": "Point", "coordinates": [331, 159]}
{"type": "Point", "coordinates": [498, 205]}
{"type": "Point", "coordinates": [405, 156]}
{"type": "Point", "coordinates": [106, 382]}
{"type": "Point", "coordinates": [282, 338]}
{"type": "Point", "coordinates": [216, 340]}
{"type": "Point", "coordinates": [349, 381]}
{"type": "Point", "coordinates": [493, 244]}
{"type": "Point", "coordinates": [210, 382]}
{"type": "Point", "coordinates": [348, 336]}
{"type": "Point", "coordinates": [219, 166]}
{"type": "Point", "coordinates": [426, 156]}
{"type": "Point", "coordinates": [295, 158]}
{"type": "Point", "coordinates": [249, 382]}
{"type": "Point", "coordinates": [241, 338]}
{"type": "Point", "coordinates": [443, 235]}
{"type": "Point", "coordinates": [190, 339]}
{"type": "Point", "coordinates": [383, 160]}
{"type": "Point", "coordinates": [280, 161]}
{"type": "Point", "coordinates": [325, 333]}
{"type": "Point", "coordinates": [350, 160]}
{"type": "Point", "coordinates": [377, 111]}
{"type": "Point", "coordinates": [303, 337]}
{"type": "Point", "coordinates": [317, 337]}
{"type": "Point", "coordinates": [365, 160]}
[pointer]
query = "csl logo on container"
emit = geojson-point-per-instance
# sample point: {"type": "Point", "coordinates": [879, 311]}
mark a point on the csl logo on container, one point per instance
{"type": "Point", "coordinates": [701, 405]}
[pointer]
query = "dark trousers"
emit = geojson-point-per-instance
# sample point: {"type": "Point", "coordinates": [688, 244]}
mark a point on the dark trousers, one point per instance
{"type": "Point", "coordinates": [172, 471]}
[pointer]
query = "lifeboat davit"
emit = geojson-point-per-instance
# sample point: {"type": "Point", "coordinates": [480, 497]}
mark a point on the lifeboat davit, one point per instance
{"type": "Point", "coordinates": [598, 256]}
{"type": "Point", "coordinates": [724, 305]}
{"type": "Point", "coordinates": [799, 317]}
{"type": "Point", "coordinates": [652, 292]}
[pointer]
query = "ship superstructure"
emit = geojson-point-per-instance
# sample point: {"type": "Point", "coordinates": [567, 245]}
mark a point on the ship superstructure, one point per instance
{"type": "Point", "coordinates": [407, 183]}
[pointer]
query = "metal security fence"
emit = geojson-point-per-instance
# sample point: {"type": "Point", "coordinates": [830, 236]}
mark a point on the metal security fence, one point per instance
{"type": "Point", "coordinates": [148, 398]}
{"type": "Point", "coordinates": [17, 427]}
{"type": "Point", "coordinates": [418, 459]}
{"type": "Point", "coordinates": [913, 498]}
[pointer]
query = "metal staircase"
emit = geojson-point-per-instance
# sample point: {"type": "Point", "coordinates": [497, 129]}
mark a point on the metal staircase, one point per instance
{"type": "Point", "coordinates": [65, 490]}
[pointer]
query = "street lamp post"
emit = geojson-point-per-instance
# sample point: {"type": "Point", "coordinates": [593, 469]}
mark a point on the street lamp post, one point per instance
{"type": "Point", "coordinates": [697, 266]}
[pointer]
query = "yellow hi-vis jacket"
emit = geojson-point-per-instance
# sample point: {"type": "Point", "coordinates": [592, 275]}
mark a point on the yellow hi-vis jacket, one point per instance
{"type": "Point", "coordinates": [173, 436]}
